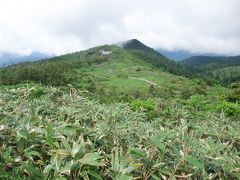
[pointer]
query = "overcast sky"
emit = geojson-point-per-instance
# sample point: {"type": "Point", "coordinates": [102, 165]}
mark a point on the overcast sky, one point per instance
{"type": "Point", "coordinates": [61, 26]}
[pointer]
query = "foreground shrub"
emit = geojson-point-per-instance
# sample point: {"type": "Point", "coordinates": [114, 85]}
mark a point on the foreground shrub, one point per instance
{"type": "Point", "coordinates": [146, 106]}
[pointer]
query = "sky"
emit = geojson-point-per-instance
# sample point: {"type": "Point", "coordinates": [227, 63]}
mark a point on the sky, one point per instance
{"type": "Point", "coordinates": [63, 26]}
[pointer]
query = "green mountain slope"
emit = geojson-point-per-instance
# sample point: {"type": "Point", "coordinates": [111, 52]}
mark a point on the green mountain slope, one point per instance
{"type": "Point", "coordinates": [104, 67]}
{"type": "Point", "coordinates": [224, 70]}
{"type": "Point", "coordinates": [153, 57]}
{"type": "Point", "coordinates": [212, 62]}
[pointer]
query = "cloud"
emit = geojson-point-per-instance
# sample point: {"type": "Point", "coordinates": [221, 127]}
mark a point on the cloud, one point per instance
{"type": "Point", "coordinates": [62, 26]}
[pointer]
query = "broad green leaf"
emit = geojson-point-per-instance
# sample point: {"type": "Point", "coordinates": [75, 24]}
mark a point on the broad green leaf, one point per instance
{"type": "Point", "coordinates": [94, 174]}
{"type": "Point", "coordinates": [66, 145]}
{"type": "Point", "coordinates": [67, 167]}
{"type": "Point", "coordinates": [91, 159]}
{"type": "Point", "coordinates": [161, 146]}
{"type": "Point", "coordinates": [76, 148]}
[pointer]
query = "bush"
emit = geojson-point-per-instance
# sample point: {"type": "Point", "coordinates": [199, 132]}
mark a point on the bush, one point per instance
{"type": "Point", "coordinates": [143, 105]}
{"type": "Point", "coordinates": [197, 102]}
{"type": "Point", "coordinates": [122, 75]}
{"type": "Point", "coordinates": [234, 96]}
{"type": "Point", "coordinates": [36, 92]}
{"type": "Point", "coordinates": [231, 109]}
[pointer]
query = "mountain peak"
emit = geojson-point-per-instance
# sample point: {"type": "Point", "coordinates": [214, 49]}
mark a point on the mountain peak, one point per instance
{"type": "Point", "coordinates": [133, 44]}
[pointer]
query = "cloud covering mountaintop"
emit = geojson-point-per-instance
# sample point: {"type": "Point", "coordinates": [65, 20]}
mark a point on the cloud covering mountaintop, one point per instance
{"type": "Point", "coordinates": [62, 26]}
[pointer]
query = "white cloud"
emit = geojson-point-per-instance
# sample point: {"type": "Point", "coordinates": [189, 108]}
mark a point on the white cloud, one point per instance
{"type": "Point", "coordinates": [61, 26]}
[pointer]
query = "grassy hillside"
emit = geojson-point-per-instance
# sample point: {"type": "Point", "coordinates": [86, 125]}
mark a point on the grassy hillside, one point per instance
{"type": "Point", "coordinates": [127, 73]}
{"type": "Point", "coordinates": [115, 113]}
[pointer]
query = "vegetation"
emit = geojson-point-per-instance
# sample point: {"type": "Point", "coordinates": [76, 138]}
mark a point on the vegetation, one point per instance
{"type": "Point", "coordinates": [47, 133]}
{"type": "Point", "coordinates": [223, 70]}
{"type": "Point", "coordinates": [87, 115]}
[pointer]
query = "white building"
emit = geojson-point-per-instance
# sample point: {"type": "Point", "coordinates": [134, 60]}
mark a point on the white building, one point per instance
{"type": "Point", "coordinates": [103, 52]}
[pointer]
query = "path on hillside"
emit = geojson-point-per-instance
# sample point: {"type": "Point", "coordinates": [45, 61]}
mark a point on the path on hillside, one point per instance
{"type": "Point", "coordinates": [145, 80]}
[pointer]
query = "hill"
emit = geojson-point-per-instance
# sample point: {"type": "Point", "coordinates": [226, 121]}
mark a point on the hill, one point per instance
{"type": "Point", "coordinates": [175, 55]}
{"type": "Point", "coordinates": [214, 61]}
{"type": "Point", "coordinates": [7, 59]}
{"type": "Point", "coordinates": [224, 70]}
{"type": "Point", "coordinates": [126, 67]}
{"type": "Point", "coordinates": [180, 55]}
{"type": "Point", "coordinates": [155, 58]}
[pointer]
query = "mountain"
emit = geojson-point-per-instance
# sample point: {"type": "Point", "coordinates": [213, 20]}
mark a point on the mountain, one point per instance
{"type": "Point", "coordinates": [155, 58]}
{"type": "Point", "coordinates": [218, 61]}
{"type": "Point", "coordinates": [7, 59]}
{"type": "Point", "coordinates": [135, 44]}
{"type": "Point", "coordinates": [180, 55]}
{"type": "Point", "coordinates": [133, 67]}
{"type": "Point", "coordinates": [175, 55]}
{"type": "Point", "coordinates": [224, 70]}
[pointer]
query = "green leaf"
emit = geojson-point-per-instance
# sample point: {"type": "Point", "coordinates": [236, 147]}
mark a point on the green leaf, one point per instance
{"type": "Point", "coordinates": [115, 161]}
{"type": "Point", "coordinates": [76, 148]}
{"type": "Point", "coordinates": [67, 167]}
{"type": "Point", "coordinates": [47, 169]}
{"type": "Point", "coordinates": [130, 168]}
{"type": "Point", "coordinates": [155, 177]}
{"type": "Point", "coordinates": [61, 178]}
{"type": "Point", "coordinates": [125, 177]}
{"type": "Point", "coordinates": [91, 159]}
{"type": "Point", "coordinates": [138, 152]}
{"type": "Point", "coordinates": [94, 174]}
{"type": "Point", "coordinates": [66, 145]}
{"type": "Point", "coordinates": [157, 141]}
{"type": "Point", "coordinates": [23, 133]}
{"type": "Point", "coordinates": [196, 163]}
{"type": "Point", "coordinates": [48, 134]}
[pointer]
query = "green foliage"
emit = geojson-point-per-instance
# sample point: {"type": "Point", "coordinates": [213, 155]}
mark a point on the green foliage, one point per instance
{"type": "Point", "coordinates": [198, 102]}
{"type": "Point", "coordinates": [62, 135]}
{"type": "Point", "coordinates": [234, 96]}
{"type": "Point", "coordinates": [36, 92]}
{"type": "Point", "coordinates": [223, 70]}
{"type": "Point", "coordinates": [231, 109]}
{"type": "Point", "coordinates": [142, 105]}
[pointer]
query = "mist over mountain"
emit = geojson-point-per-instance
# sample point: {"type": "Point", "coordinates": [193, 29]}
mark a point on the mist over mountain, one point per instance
{"type": "Point", "coordinates": [7, 59]}
{"type": "Point", "coordinates": [179, 55]}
